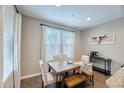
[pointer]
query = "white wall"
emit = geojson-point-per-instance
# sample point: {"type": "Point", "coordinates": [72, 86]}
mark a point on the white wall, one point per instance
{"type": "Point", "coordinates": [1, 46]}
{"type": "Point", "coordinates": [30, 46]}
{"type": "Point", "coordinates": [116, 51]}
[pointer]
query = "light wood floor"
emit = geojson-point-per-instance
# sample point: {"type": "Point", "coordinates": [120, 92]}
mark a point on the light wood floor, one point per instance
{"type": "Point", "coordinates": [36, 82]}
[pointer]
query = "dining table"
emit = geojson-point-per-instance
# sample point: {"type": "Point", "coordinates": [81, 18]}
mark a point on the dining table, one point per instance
{"type": "Point", "coordinates": [63, 67]}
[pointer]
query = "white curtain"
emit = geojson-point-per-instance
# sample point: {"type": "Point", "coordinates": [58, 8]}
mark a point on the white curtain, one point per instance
{"type": "Point", "coordinates": [8, 54]}
{"type": "Point", "coordinates": [17, 50]}
{"type": "Point", "coordinates": [77, 49]}
{"type": "Point", "coordinates": [42, 52]}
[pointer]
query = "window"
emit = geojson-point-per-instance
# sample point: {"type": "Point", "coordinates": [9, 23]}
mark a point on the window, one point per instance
{"type": "Point", "coordinates": [58, 42]}
{"type": "Point", "coordinates": [52, 45]}
{"type": "Point", "coordinates": [68, 43]}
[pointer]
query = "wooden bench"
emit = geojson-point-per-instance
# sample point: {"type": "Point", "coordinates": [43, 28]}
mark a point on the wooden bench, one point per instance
{"type": "Point", "coordinates": [74, 80]}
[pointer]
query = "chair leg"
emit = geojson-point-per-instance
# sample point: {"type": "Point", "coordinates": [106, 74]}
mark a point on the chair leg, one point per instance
{"type": "Point", "coordinates": [57, 78]}
{"type": "Point", "coordinates": [61, 77]}
{"type": "Point", "coordinates": [42, 84]}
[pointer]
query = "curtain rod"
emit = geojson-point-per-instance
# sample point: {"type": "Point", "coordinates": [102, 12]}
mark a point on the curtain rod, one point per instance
{"type": "Point", "coordinates": [57, 27]}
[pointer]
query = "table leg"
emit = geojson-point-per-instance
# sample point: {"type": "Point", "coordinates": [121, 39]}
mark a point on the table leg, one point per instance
{"type": "Point", "coordinates": [105, 67]}
{"type": "Point", "coordinates": [66, 74]}
{"type": "Point", "coordinates": [74, 71]}
{"type": "Point", "coordinates": [92, 79]}
{"type": "Point", "coordinates": [56, 77]}
{"type": "Point", "coordinates": [56, 80]}
{"type": "Point", "coordinates": [110, 67]}
{"type": "Point", "coordinates": [49, 68]}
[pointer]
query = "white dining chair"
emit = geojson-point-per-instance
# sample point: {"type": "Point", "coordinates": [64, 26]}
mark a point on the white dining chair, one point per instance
{"type": "Point", "coordinates": [87, 65]}
{"type": "Point", "coordinates": [63, 57]}
{"type": "Point", "coordinates": [47, 77]}
{"type": "Point", "coordinates": [85, 59]}
{"type": "Point", "coordinates": [58, 58]}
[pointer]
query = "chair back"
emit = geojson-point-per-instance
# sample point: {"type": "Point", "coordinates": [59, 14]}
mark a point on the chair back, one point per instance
{"type": "Point", "coordinates": [87, 69]}
{"type": "Point", "coordinates": [43, 72]}
{"type": "Point", "coordinates": [85, 59]}
{"type": "Point", "coordinates": [63, 57]}
{"type": "Point", "coordinates": [56, 58]}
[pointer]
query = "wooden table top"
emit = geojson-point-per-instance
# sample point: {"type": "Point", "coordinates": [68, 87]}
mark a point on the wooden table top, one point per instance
{"type": "Point", "coordinates": [60, 67]}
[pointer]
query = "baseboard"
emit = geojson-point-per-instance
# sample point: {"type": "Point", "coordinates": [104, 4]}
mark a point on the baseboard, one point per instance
{"type": "Point", "coordinates": [30, 76]}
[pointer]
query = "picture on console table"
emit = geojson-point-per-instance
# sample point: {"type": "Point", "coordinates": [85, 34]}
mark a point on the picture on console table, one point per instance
{"type": "Point", "coordinates": [106, 39]}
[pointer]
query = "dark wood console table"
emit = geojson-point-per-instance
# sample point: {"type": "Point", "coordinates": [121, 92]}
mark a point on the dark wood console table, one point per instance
{"type": "Point", "coordinates": [107, 65]}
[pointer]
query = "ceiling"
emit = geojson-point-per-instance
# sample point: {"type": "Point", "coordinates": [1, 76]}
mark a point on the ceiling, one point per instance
{"type": "Point", "coordinates": [74, 16]}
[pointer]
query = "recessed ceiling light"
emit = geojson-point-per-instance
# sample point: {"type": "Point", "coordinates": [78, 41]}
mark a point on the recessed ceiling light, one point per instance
{"type": "Point", "coordinates": [88, 18]}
